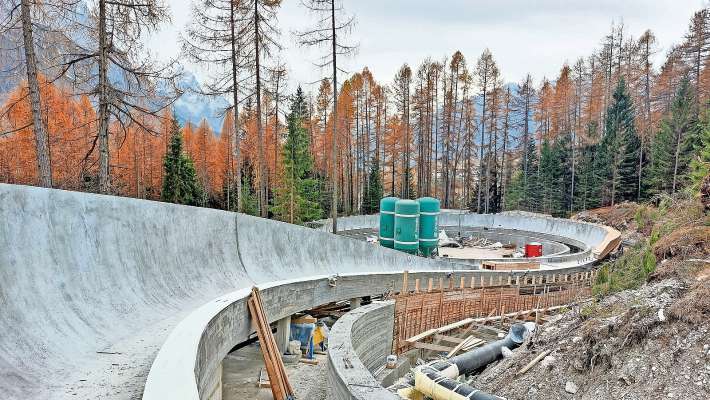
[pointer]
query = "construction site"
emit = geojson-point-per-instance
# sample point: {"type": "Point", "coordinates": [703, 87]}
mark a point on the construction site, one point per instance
{"type": "Point", "coordinates": [115, 298]}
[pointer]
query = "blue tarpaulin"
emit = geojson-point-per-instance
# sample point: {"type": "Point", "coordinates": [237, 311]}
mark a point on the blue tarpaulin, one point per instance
{"type": "Point", "coordinates": [304, 334]}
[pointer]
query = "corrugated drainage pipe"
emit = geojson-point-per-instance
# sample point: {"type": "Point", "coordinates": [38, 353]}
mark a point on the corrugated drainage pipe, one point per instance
{"type": "Point", "coordinates": [437, 379]}
{"type": "Point", "coordinates": [434, 384]}
{"type": "Point", "coordinates": [484, 355]}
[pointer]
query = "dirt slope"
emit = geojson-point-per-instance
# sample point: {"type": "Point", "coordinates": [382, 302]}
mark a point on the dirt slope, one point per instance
{"type": "Point", "coordinates": [648, 340]}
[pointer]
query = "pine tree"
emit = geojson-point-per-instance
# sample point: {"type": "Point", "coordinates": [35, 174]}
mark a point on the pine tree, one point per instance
{"type": "Point", "coordinates": [619, 148]}
{"type": "Point", "coordinates": [374, 192]}
{"type": "Point", "coordinates": [296, 199]}
{"type": "Point", "coordinates": [180, 183]}
{"type": "Point", "coordinates": [673, 145]}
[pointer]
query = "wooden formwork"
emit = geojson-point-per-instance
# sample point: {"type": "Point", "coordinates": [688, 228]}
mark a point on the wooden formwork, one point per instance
{"type": "Point", "coordinates": [434, 304]}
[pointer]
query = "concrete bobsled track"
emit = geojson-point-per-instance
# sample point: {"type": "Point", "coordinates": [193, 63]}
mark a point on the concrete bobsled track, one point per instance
{"type": "Point", "coordinates": [593, 241]}
{"type": "Point", "coordinates": [105, 297]}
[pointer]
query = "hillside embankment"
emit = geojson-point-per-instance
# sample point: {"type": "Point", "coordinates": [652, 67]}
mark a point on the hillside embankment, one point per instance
{"type": "Point", "coordinates": [646, 333]}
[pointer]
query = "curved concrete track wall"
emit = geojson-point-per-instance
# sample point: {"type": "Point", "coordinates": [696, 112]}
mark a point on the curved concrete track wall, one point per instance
{"type": "Point", "coordinates": [92, 285]}
{"type": "Point", "coordinates": [361, 338]}
{"type": "Point", "coordinates": [109, 297]}
{"type": "Point", "coordinates": [594, 241]}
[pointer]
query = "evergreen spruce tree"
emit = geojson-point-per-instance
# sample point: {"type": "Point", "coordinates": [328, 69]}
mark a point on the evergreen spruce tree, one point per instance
{"type": "Point", "coordinates": [672, 148]}
{"type": "Point", "coordinates": [588, 180]}
{"type": "Point", "coordinates": [515, 193]}
{"type": "Point", "coordinates": [374, 192]}
{"type": "Point", "coordinates": [180, 184]}
{"type": "Point", "coordinates": [619, 148]}
{"type": "Point", "coordinates": [249, 201]}
{"type": "Point", "coordinates": [532, 193]}
{"type": "Point", "coordinates": [563, 156]}
{"type": "Point", "coordinates": [296, 198]}
{"type": "Point", "coordinates": [249, 205]}
{"type": "Point", "coordinates": [550, 179]}
{"type": "Point", "coordinates": [700, 164]}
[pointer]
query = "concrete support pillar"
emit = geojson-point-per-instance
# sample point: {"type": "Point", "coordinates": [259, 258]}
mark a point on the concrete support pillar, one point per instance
{"type": "Point", "coordinates": [355, 302]}
{"type": "Point", "coordinates": [283, 333]}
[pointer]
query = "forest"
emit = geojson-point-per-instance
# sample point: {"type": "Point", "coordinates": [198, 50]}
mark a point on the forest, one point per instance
{"type": "Point", "coordinates": [90, 113]}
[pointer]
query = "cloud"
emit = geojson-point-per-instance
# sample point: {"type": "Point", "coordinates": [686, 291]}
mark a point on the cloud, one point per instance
{"type": "Point", "coordinates": [535, 36]}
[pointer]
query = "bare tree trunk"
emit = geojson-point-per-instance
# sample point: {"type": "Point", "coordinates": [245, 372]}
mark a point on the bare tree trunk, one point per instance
{"type": "Point", "coordinates": [276, 129]}
{"type": "Point", "coordinates": [483, 138]}
{"type": "Point", "coordinates": [135, 164]}
{"type": "Point", "coordinates": [104, 174]}
{"type": "Point", "coordinates": [259, 125]}
{"type": "Point", "coordinates": [334, 204]}
{"type": "Point", "coordinates": [41, 137]}
{"type": "Point", "coordinates": [647, 106]}
{"type": "Point", "coordinates": [293, 185]}
{"type": "Point", "coordinates": [406, 134]}
{"type": "Point", "coordinates": [677, 155]}
{"type": "Point", "coordinates": [235, 99]}
{"type": "Point", "coordinates": [436, 134]}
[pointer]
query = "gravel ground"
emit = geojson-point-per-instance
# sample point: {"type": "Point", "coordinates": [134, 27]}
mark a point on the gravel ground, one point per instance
{"type": "Point", "coordinates": [240, 372]}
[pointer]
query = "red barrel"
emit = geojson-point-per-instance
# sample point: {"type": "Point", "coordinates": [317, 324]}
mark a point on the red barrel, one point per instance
{"type": "Point", "coordinates": [533, 249]}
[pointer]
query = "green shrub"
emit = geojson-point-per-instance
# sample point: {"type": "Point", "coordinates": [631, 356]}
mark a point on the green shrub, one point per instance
{"type": "Point", "coordinates": [627, 272]}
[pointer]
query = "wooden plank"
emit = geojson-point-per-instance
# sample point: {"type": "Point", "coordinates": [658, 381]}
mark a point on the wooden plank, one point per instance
{"type": "Point", "coordinates": [473, 345]}
{"type": "Point", "coordinates": [263, 379]}
{"type": "Point", "coordinates": [309, 361]}
{"type": "Point", "coordinates": [454, 325]}
{"type": "Point", "coordinates": [277, 390]}
{"type": "Point", "coordinates": [280, 387]}
{"type": "Point", "coordinates": [509, 266]}
{"type": "Point", "coordinates": [533, 362]}
{"type": "Point", "coordinates": [420, 336]}
{"type": "Point", "coordinates": [447, 338]}
{"type": "Point", "coordinates": [459, 347]}
{"type": "Point", "coordinates": [431, 346]}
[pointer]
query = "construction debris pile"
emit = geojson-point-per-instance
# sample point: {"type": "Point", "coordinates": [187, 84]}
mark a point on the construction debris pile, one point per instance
{"type": "Point", "coordinates": [473, 246]}
{"type": "Point", "coordinates": [449, 378]}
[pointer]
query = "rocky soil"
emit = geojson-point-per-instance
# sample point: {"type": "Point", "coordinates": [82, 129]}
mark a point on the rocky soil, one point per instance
{"type": "Point", "coordinates": [648, 342]}
{"type": "Point", "coordinates": [625, 347]}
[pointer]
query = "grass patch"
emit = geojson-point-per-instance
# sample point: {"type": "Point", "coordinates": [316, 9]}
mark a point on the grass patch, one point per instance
{"type": "Point", "coordinates": [627, 272]}
{"type": "Point", "coordinates": [645, 217]}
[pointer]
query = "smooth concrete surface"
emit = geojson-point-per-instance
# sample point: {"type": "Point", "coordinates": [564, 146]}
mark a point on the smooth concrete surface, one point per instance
{"type": "Point", "coordinates": [283, 333]}
{"type": "Point", "coordinates": [359, 343]}
{"type": "Point", "coordinates": [117, 298]}
{"type": "Point", "coordinates": [91, 287]}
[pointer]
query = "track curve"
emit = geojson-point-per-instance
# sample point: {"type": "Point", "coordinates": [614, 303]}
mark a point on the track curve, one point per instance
{"type": "Point", "coordinates": [117, 298]}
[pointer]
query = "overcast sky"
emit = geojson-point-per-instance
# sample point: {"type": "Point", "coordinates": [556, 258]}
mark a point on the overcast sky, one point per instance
{"type": "Point", "coordinates": [535, 36]}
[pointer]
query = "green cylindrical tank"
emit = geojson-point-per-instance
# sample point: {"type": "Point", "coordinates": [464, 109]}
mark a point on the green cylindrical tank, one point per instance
{"type": "Point", "coordinates": [406, 226]}
{"type": "Point", "coordinates": [386, 234]}
{"type": "Point", "coordinates": [429, 208]}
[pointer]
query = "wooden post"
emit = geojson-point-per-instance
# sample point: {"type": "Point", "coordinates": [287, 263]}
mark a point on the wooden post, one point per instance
{"type": "Point", "coordinates": [441, 303]}
{"type": "Point", "coordinates": [280, 387]}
